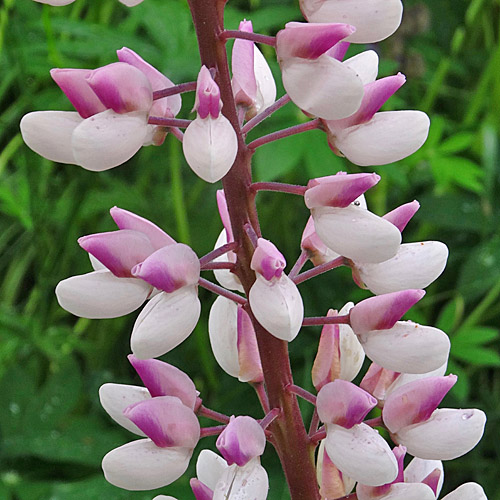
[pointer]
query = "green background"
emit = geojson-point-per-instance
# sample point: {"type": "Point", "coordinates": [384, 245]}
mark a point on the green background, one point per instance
{"type": "Point", "coordinates": [53, 432]}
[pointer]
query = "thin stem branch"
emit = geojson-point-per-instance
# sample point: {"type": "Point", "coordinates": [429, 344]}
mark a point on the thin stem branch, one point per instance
{"type": "Point", "coordinates": [213, 415]}
{"type": "Point", "coordinates": [302, 393]}
{"type": "Point", "coordinates": [265, 114]}
{"type": "Point", "coordinates": [313, 426]}
{"type": "Point", "coordinates": [262, 395]}
{"type": "Point", "coordinates": [318, 435]}
{"type": "Point", "coordinates": [374, 422]}
{"type": "Point", "coordinates": [208, 285]}
{"type": "Point", "coordinates": [269, 418]}
{"type": "Point", "coordinates": [176, 89]}
{"type": "Point", "coordinates": [286, 132]}
{"type": "Point", "coordinates": [326, 320]}
{"type": "Point", "coordinates": [299, 264]}
{"type": "Point", "coordinates": [210, 256]}
{"type": "Point", "coordinates": [168, 122]}
{"type": "Point", "coordinates": [245, 35]}
{"type": "Point", "coordinates": [278, 187]}
{"type": "Point", "coordinates": [252, 235]}
{"type": "Point", "coordinates": [211, 431]}
{"type": "Point", "coordinates": [177, 133]}
{"type": "Point", "coordinates": [317, 270]}
{"type": "Point", "coordinates": [210, 266]}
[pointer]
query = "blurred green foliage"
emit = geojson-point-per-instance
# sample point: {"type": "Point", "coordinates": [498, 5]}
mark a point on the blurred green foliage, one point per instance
{"type": "Point", "coordinates": [53, 432]}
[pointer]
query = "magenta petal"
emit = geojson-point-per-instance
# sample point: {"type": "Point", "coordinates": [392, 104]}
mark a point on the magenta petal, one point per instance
{"type": "Point", "coordinates": [309, 41]}
{"type": "Point", "coordinates": [224, 214]}
{"type": "Point", "coordinates": [242, 63]}
{"type": "Point", "coordinates": [200, 491]}
{"type": "Point", "coordinates": [343, 403]}
{"type": "Point", "coordinates": [166, 421]}
{"type": "Point", "coordinates": [207, 100]}
{"type": "Point", "coordinates": [162, 379]}
{"type": "Point", "coordinates": [383, 311]}
{"type": "Point", "coordinates": [416, 401]}
{"type": "Point", "coordinates": [170, 268]}
{"type": "Point", "coordinates": [119, 251]}
{"type": "Point", "coordinates": [401, 215]}
{"type": "Point", "coordinates": [122, 87]}
{"type": "Point", "coordinates": [128, 220]}
{"type": "Point", "coordinates": [242, 440]}
{"type": "Point", "coordinates": [267, 260]}
{"type": "Point", "coordinates": [338, 190]}
{"type": "Point", "coordinates": [73, 82]}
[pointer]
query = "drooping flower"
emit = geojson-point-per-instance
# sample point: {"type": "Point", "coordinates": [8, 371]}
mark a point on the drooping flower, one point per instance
{"type": "Point", "coordinates": [355, 448]}
{"type": "Point", "coordinates": [210, 143]}
{"type": "Point", "coordinates": [133, 262]}
{"type": "Point", "coordinates": [110, 124]}
{"type": "Point", "coordinates": [369, 137]}
{"type": "Point", "coordinates": [316, 81]}
{"type": "Point", "coordinates": [274, 298]}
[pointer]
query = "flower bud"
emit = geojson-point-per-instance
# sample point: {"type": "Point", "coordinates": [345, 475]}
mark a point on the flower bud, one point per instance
{"type": "Point", "coordinates": [267, 260]}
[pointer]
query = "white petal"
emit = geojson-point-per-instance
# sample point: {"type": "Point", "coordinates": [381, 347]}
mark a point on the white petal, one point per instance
{"type": "Point", "coordinates": [407, 347]}
{"type": "Point", "coordinates": [131, 3]}
{"type": "Point", "coordinates": [446, 435]}
{"type": "Point", "coordinates": [374, 20]}
{"type": "Point", "coordinates": [266, 87]}
{"type": "Point", "coordinates": [165, 322]}
{"type": "Point", "coordinates": [244, 483]}
{"type": "Point", "coordinates": [210, 467]}
{"type": "Point", "coordinates": [277, 306]}
{"type": "Point", "coordinates": [352, 354]}
{"type": "Point", "coordinates": [365, 65]}
{"type": "Point", "coordinates": [418, 469]}
{"type": "Point", "coordinates": [399, 491]}
{"type": "Point", "coordinates": [56, 3]}
{"type": "Point", "coordinates": [416, 265]}
{"type": "Point", "coordinates": [356, 233]}
{"type": "Point", "coordinates": [164, 497]}
{"type": "Point", "coordinates": [210, 146]}
{"type": "Point", "coordinates": [467, 491]}
{"type": "Point", "coordinates": [116, 397]}
{"type": "Point", "coordinates": [141, 465]}
{"type": "Point", "coordinates": [323, 87]}
{"type": "Point", "coordinates": [226, 278]}
{"type": "Point", "coordinates": [361, 453]}
{"type": "Point", "coordinates": [108, 139]}
{"type": "Point", "coordinates": [49, 134]}
{"type": "Point", "coordinates": [388, 137]}
{"type": "Point", "coordinates": [101, 294]}
{"type": "Point", "coordinates": [347, 481]}
{"type": "Point", "coordinates": [222, 330]}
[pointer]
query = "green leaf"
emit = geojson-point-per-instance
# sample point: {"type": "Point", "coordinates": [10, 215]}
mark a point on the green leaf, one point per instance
{"type": "Point", "coordinates": [478, 356]}
{"type": "Point", "coordinates": [320, 160]}
{"type": "Point", "coordinates": [476, 335]}
{"type": "Point", "coordinates": [450, 314]}
{"type": "Point", "coordinates": [448, 170]}
{"type": "Point", "coordinates": [456, 143]}
{"type": "Point", "coordinates": [461, 389]}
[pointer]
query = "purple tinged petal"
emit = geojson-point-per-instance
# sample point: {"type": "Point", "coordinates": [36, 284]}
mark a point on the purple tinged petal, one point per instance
{"type": "Point", "coordinates": [73, 82]}
{"type": "Point", "coordinates": [200, 491]}
{"type": "Point", "coordinates": [316, 250]}
{"type": "Point", "coordinates": [242, 440]}
{"type": "Point", "coordinates": [375, 95]}
{"type": "Point", "coordinates": [432, 480]}
{"type": "Point", "coordinates": [377, 380]}
{"type": "Point", "coordinates": [166, 421]}
{"type": "Point", "coordinates": [415, 402]}
{"type": "Point", "coordinates": [170, 268]}
{"type": "Point", "coordinates": [339, 50]}
{"type": "Point", "coordinates": [119, 251]}
{"type": "Point", "coordinates": [343, 403]}
{"type": "Point", "coordinates": [250, 367]}
{"type": "Point", "coordinates": [121, 87]}
{"type": "Point", "coordinates": [401, 215]}
{"type": "Point", "coordinates": [338, 190]}
{"type": "Point", "coordinates": [162, 379]}
{"type": "Point", "coordinates": [128, 220]}
{"type": "Point", "coordinates": [165, 107]}
{"type": "Point", "coordinates": [383, 311]}
{"type": "Point", "coordinates": [242, 63]}
{"type": "Point", "coordinates": [267, 260]}
{"type": "Point", "coordinates": [210, 467]}
{"type": "Point", "coordinates": [309, 41]}
{"type": "Point", "coordinates": [207, 101]}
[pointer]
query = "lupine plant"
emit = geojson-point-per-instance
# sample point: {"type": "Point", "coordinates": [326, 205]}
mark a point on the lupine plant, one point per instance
{"type": "Point", "coordinates": [355, 444]}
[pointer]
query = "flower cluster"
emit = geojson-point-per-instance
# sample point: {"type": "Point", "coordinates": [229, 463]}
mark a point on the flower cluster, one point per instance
{"type": "Point", "coordinates": [259, 309]}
